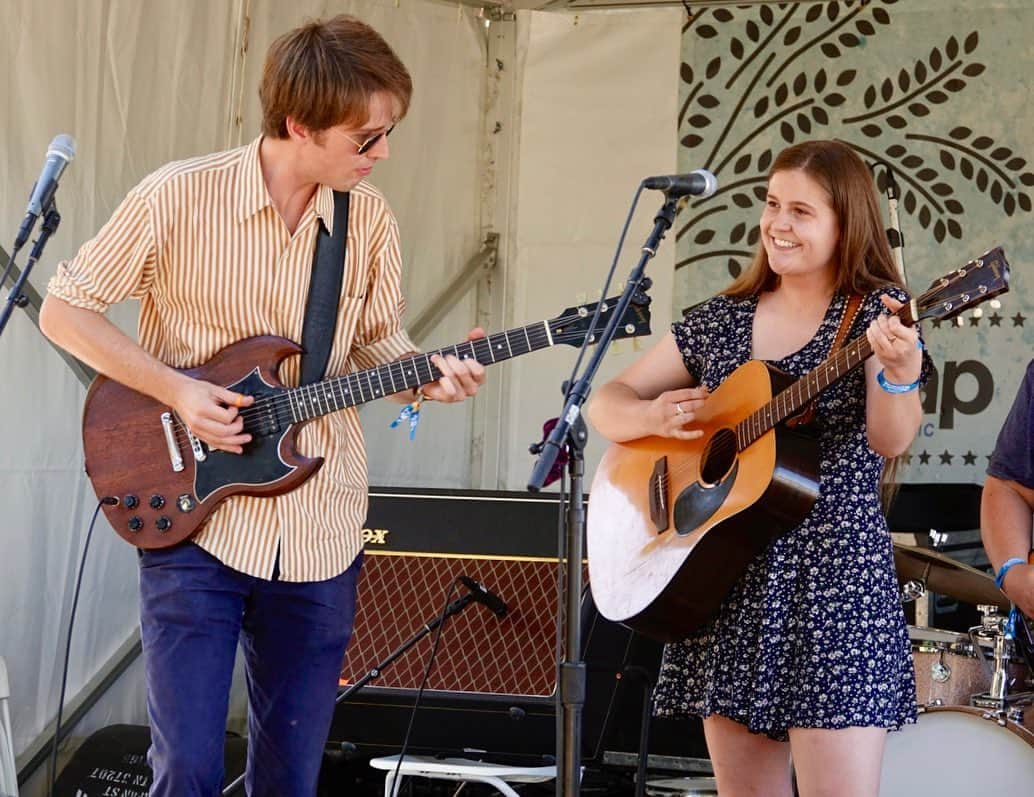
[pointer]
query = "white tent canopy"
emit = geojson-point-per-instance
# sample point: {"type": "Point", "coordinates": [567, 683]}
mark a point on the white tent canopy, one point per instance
{"type": "Point", "coordinates": [536, 127]}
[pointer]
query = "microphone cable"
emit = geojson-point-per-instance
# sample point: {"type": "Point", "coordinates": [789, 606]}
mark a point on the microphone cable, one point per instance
{"type": "Point", "coordinates": [603, 293]}
{"type": "Point", "coordinates": [107, 500]}
{"type": "Point", "coordinates": [442, 619]}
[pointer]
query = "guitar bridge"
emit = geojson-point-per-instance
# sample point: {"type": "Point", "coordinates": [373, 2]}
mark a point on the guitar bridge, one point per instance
{"type": "Point", "coordinates": [659, 494]}
{"type": "Point", "coordinates": [175, 459]}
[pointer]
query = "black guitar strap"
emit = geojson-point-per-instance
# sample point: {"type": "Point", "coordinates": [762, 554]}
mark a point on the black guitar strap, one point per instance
{"type": "Point", "coordinates": [328, 267]}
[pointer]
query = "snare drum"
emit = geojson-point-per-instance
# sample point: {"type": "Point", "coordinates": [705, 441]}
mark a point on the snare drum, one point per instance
{"type": "Point", "coordinates": [949, 670]}
{"type": "Point", "coordinates": [956, 750]}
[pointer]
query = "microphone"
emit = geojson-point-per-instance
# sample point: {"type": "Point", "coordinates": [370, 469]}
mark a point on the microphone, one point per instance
{"type": "Point", "coordinates": [495, 604]}
{"type": "Point", "coordinates": [59, 155]}
{"type": "Point", "coordinates": [700, 183]}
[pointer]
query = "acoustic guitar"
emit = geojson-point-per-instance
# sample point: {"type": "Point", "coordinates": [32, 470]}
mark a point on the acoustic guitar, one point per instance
{"type": "Point", "coordinates": [673, 524]}
{"type": "Point", "coordinates": [160, 482]}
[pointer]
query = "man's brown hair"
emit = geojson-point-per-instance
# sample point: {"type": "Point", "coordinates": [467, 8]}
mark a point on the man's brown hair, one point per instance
{"type": "Point", "coordinates": [324, 74]}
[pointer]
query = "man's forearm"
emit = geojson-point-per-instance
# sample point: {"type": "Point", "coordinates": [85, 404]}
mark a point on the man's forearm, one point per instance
{"type": "Point", "coordinates": [99, 343]}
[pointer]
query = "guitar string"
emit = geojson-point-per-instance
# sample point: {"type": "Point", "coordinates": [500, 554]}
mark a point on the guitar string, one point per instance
{"type": "Point", "coordinates": [283, 398]}
{"type": "Point", "coordinates": [763, 415]}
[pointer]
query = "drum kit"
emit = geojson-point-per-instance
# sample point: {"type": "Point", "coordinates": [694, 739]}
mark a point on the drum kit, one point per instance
{"type": "Point", "coordinates": [974, 690]}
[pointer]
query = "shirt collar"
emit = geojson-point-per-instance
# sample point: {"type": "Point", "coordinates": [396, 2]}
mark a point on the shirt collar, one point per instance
{"type": "Point", "coordinates": [253, 196]}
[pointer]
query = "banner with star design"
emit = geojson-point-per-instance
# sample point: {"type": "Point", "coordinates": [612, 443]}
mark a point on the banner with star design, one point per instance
{"type": "Point", "coordinates": [938, 92]}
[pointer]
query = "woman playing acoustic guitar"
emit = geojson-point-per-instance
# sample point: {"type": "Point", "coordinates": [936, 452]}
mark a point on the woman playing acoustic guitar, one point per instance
{"type": "Point", "coordinates": [809, 652]}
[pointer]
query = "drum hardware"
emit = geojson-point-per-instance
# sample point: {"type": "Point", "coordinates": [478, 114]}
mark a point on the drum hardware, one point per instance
{"type": "Point", "coordinates": [996, 631]}
{"type": "Point", "coordinates": [912, 590]}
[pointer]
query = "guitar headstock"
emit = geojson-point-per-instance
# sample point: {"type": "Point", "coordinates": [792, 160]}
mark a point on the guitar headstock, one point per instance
{"type": "Point", "coordinates": [974, 283]}
{"type": "Point", "coordinates": [575, 323]}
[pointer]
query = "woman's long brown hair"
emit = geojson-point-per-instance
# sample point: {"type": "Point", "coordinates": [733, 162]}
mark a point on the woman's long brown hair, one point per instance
{"type": "Point", "coordinates": [864, 261]}
{"type": "Point", "coordinates": [863, 258]}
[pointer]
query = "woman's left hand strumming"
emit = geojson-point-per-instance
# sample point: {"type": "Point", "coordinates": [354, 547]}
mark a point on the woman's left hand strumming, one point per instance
{"type": "Point", "coordinates": [896, 346]}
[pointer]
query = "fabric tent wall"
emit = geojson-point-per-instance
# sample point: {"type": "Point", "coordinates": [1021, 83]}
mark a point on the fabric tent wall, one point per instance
{"type": "Point", "coordinates": [139, 84]}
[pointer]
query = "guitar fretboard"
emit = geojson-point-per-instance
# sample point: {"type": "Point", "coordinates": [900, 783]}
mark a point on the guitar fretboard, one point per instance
{"type": "Point", "coordinates": [330, 395]}
{"type": "Point", "coordinates": [793, 398]}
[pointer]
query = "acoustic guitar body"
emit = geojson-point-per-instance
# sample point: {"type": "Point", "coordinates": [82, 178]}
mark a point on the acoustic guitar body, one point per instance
{"type": "Point", "coordinates": [672, 524]}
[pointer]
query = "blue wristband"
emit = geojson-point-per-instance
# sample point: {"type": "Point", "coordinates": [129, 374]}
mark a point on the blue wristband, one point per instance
{"type": "Point", "coordinates": [894, 387]}
{"type": "Point", "coordinates": [1005, 568]}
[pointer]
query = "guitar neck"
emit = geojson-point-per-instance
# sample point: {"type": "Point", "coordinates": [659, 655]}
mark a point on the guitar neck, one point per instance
{"type": "Point", "coordinates": [792, 399]}
{"type": "Point", "coordinates": [338, 393]}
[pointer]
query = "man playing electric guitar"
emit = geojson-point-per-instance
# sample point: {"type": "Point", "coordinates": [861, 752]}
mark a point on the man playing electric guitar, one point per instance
{"type": "Point", "coordinates": [217, 249]}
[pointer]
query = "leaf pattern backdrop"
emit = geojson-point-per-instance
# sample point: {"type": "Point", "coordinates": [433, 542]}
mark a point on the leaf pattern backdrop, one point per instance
{"type": "Point", "coordinates": [938, 90]}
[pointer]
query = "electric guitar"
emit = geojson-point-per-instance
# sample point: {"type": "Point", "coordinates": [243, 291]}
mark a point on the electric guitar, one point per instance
{"type": "Point", "coordinates": [673, 524]}
{"type": "Point", "coordinates": [161, 482]}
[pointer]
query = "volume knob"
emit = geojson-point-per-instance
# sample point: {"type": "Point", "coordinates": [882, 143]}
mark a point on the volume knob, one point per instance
{"type": "Point", "coordinates": [157, 501]}
{"type": "Point", "coordinates": [163, 523]}
{"type": "Point", "coordinates": [135, 523]}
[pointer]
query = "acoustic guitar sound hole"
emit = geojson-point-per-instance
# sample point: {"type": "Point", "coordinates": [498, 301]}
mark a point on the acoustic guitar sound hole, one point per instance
{"type": "Point", "coordinates": [719, 457]}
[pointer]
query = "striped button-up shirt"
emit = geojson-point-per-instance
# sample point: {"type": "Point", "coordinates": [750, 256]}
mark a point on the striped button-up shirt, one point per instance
{"type": "Point", "coordinates": [202, 247]}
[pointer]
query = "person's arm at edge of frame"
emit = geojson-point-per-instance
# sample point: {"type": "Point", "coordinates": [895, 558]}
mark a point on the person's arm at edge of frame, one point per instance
{"type": "Point", "coordinates": [1006, 524]}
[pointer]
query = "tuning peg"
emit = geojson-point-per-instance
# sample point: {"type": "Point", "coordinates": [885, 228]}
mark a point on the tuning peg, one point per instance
{"type": "Point", "coordinates": [996, 304]}
{"type": "Point", "coordinates": [978, 312]}
{"type": "Point", "coordinates": [960, 320]}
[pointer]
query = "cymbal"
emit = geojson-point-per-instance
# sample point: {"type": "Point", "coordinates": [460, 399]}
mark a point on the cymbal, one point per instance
{"type": "Point", "coordinates": [944, 575]}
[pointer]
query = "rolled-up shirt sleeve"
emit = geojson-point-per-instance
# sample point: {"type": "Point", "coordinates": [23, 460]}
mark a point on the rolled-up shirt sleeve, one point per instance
{"type": "Point", "coordinates": [116, 264]}
{"type": "Point", "coordinates": [380, 336]}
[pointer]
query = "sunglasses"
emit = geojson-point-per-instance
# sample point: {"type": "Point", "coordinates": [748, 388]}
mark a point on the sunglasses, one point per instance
{"type": "Point", "coordinates": [369, 143]}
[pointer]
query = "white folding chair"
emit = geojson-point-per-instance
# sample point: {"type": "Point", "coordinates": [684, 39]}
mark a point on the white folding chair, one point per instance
{"type": "Point", "coordinates": [8, 772]}
{"type": "Point", "coordinates": [460, 769]}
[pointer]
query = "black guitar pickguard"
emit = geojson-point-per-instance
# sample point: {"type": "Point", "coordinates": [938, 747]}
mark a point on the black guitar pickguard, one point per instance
{"type": "Point", "coordinates": [260, 463]}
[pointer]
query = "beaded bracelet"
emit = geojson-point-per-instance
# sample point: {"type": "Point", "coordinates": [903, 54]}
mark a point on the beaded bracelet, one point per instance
{"type": "Point", "coordinates": [894, 387]}
{"type": "Point", "coordinates": [411, 413]}
{"type": "Point", "coordinates": [1005, 568]}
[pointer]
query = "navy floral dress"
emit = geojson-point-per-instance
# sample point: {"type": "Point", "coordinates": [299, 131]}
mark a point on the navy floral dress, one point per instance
{"type": "Point", "coordinates": [813, 635]}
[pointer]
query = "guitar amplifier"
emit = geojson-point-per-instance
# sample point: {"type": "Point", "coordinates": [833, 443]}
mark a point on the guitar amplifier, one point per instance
{"type": "Point", "coordinates": [493, 684]}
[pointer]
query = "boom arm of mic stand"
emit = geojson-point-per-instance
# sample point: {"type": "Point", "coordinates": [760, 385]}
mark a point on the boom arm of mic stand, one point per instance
{"type": "Point", "coordinates": [455, 607]}
{"type": "Point", "coordinates": [580, 387]}
{"type": "Point", "coordinates": [15, 297]}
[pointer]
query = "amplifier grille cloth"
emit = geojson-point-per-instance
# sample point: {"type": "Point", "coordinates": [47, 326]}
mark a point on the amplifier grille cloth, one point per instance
{"type": "Point", "coordinates": [479, 652]}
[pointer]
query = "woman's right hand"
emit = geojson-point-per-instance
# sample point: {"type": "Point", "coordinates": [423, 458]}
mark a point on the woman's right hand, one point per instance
{"type": "Point", "coordinates": [674, 411]}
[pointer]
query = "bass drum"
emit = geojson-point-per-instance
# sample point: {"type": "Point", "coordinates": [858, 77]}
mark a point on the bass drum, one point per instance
{"type": "Point", "coordinates": [955, 750]}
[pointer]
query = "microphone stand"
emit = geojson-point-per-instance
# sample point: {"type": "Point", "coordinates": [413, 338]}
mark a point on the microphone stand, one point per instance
{"type": "Point", "coordinates": [16, 298]}
{"type": "Point", "coordinates": [897, 240]}
{"type": "Point", "coordinates": [453, 608]}
{"type": "Point", "coordinates": [571, 434]}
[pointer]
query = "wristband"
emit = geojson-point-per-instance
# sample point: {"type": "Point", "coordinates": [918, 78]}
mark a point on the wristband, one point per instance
{"type": "Point", "coordinates": [411, 413]}
{"type": "Point", "coordinates": [1005, 568]}
{"type": "Point", "coordinates": [894, 387]}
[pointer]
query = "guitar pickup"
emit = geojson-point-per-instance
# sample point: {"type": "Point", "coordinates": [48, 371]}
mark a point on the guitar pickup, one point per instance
{"type": "Point", "coordinates": [659, 494]}
{"type": "Point", "coordinates": [175, 458]}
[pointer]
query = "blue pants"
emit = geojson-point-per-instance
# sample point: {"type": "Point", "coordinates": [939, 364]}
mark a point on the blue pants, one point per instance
{"type": "Point", "coordinates": [193, 612]}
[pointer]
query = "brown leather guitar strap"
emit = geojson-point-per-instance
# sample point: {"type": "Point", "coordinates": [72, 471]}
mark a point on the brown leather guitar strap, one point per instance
{"type": "Point", "coordinates": [854, 301]}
